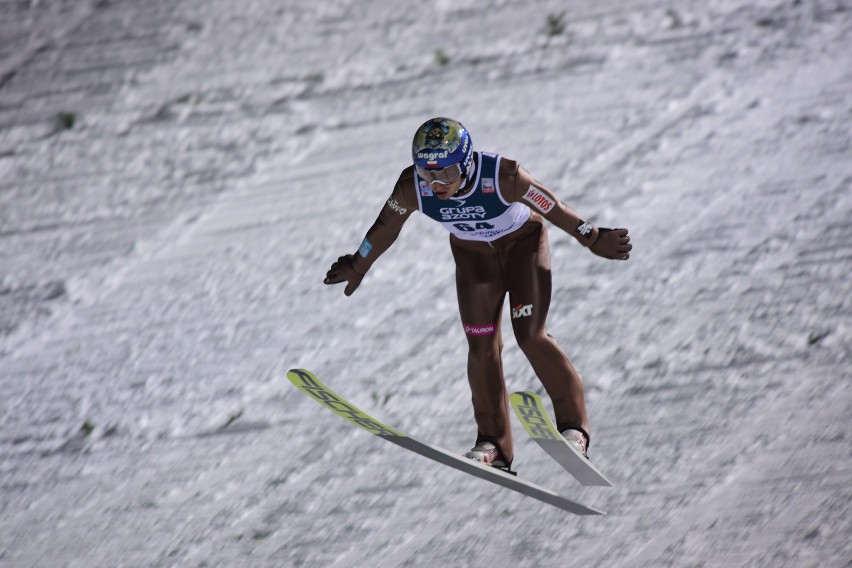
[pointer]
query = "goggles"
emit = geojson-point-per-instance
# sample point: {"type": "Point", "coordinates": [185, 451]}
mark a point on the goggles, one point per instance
{"type": "Point", "coordinates": [444, 176]}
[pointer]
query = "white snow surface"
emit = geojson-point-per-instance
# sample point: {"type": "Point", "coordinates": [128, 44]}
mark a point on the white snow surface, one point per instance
{"type": "Point", "coordinates": [161, 266]}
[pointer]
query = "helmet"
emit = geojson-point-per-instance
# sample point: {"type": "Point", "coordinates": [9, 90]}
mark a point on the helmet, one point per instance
{"type": "Point", "coordinates": [440, 143]}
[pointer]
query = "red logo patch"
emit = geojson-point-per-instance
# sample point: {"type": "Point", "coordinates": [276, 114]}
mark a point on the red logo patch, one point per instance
{"type": "Point", "coordinates": [542, 202]}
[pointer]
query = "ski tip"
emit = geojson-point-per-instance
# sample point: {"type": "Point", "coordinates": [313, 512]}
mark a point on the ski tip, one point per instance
{"type": "Point", "coordinates": [295, 373]}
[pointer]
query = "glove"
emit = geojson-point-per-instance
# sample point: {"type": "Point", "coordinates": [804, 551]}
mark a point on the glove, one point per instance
{"type": "Point", "coordinates": [612, 243]}
{"type": "Point", "coordinates": [342, 271]}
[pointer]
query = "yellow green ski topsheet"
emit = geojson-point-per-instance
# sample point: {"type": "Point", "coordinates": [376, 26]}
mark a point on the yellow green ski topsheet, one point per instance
{"type": "Point", "coordinates": [533, 417]}
{"type": "Point", "coordinates": [308, 383]}
{"type": "Point", "coordinates": [532, 414]}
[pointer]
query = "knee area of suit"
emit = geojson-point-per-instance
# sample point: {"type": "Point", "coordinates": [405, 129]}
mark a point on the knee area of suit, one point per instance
{"type": "Point", "coordinates": [533, 342]}
{"type": "Point", "coordinates": [484, 353]}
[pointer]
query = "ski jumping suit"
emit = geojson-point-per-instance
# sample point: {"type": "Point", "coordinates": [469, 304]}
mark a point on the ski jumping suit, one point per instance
{"type": "Point", "coordinates": [500, 246]}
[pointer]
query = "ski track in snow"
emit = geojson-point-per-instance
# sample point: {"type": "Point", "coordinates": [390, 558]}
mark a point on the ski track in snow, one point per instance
{"type": "Point", "coordinates": [161, 265]}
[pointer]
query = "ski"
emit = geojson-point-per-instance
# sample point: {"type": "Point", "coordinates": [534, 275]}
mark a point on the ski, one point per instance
{"type": "Point", "coordinates": [308, 383]}
{"type": "Point", "coordinates": [530, 410]}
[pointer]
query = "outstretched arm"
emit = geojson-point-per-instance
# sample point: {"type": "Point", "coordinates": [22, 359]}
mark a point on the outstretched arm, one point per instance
{"type": "Point", "coordinates": [351, 268]}
{"type": "Point", "coordinates": [607, 243]}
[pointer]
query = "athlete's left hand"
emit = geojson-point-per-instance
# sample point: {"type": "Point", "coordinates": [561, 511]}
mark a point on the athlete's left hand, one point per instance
{"type": "Point", "coordinates": [612, 243]}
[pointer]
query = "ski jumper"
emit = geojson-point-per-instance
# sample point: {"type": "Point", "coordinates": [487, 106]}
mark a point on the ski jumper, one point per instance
{"type": "Point", "coordinates": [500, 247]}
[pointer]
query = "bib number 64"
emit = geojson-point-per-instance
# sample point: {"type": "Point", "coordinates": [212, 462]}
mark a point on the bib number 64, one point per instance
{"type": "Point", "coordinates": [470, 227]}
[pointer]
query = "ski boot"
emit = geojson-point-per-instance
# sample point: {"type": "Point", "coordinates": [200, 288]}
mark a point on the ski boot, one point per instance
{"type": "Point", "coordinates": [577, 440]}
{"type": "Point", "coordinates": [489, 454]}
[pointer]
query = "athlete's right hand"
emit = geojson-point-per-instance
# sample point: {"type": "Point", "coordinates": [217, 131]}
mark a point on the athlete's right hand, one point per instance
{"type": "Point", "coordinates": [342, 271]}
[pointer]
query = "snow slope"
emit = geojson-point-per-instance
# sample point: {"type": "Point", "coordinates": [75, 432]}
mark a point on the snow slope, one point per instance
{"type": "Point", "coordinates": [161, 264]}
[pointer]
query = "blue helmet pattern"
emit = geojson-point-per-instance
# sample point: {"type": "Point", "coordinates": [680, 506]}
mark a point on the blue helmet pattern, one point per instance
{"type": "Point", "coordinates": [442, 142]}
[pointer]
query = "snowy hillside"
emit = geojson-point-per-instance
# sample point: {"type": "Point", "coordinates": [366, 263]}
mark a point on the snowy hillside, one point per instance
{"type": "Point", "coordinates": [176, 178]}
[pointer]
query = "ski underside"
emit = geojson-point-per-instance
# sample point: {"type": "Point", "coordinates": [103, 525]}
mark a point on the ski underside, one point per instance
{"type": "Point", "coordinates": [308, 383]}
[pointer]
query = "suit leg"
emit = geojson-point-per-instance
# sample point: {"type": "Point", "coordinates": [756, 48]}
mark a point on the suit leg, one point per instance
{"type": "Point", "coordinates": [530, 285]}
{"type": "Point", "coordinates": [480, 290]}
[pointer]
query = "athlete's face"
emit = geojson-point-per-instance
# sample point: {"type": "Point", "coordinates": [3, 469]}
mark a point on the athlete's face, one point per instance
{"type": "Point", "coordinates": [445, 191]}
{"type": "Point", "coordinates": [443, 182]}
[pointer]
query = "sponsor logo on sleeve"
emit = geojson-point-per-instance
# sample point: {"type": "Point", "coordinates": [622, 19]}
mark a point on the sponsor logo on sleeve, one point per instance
{"type": "Point", "coordinates": [541, 202]}
{"type": "Point", "coordinates": [585, 229]}
{"type": "Point", "coordinates": [365, 248]}
{"type": "Point", "coordinates": [396, 207]}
